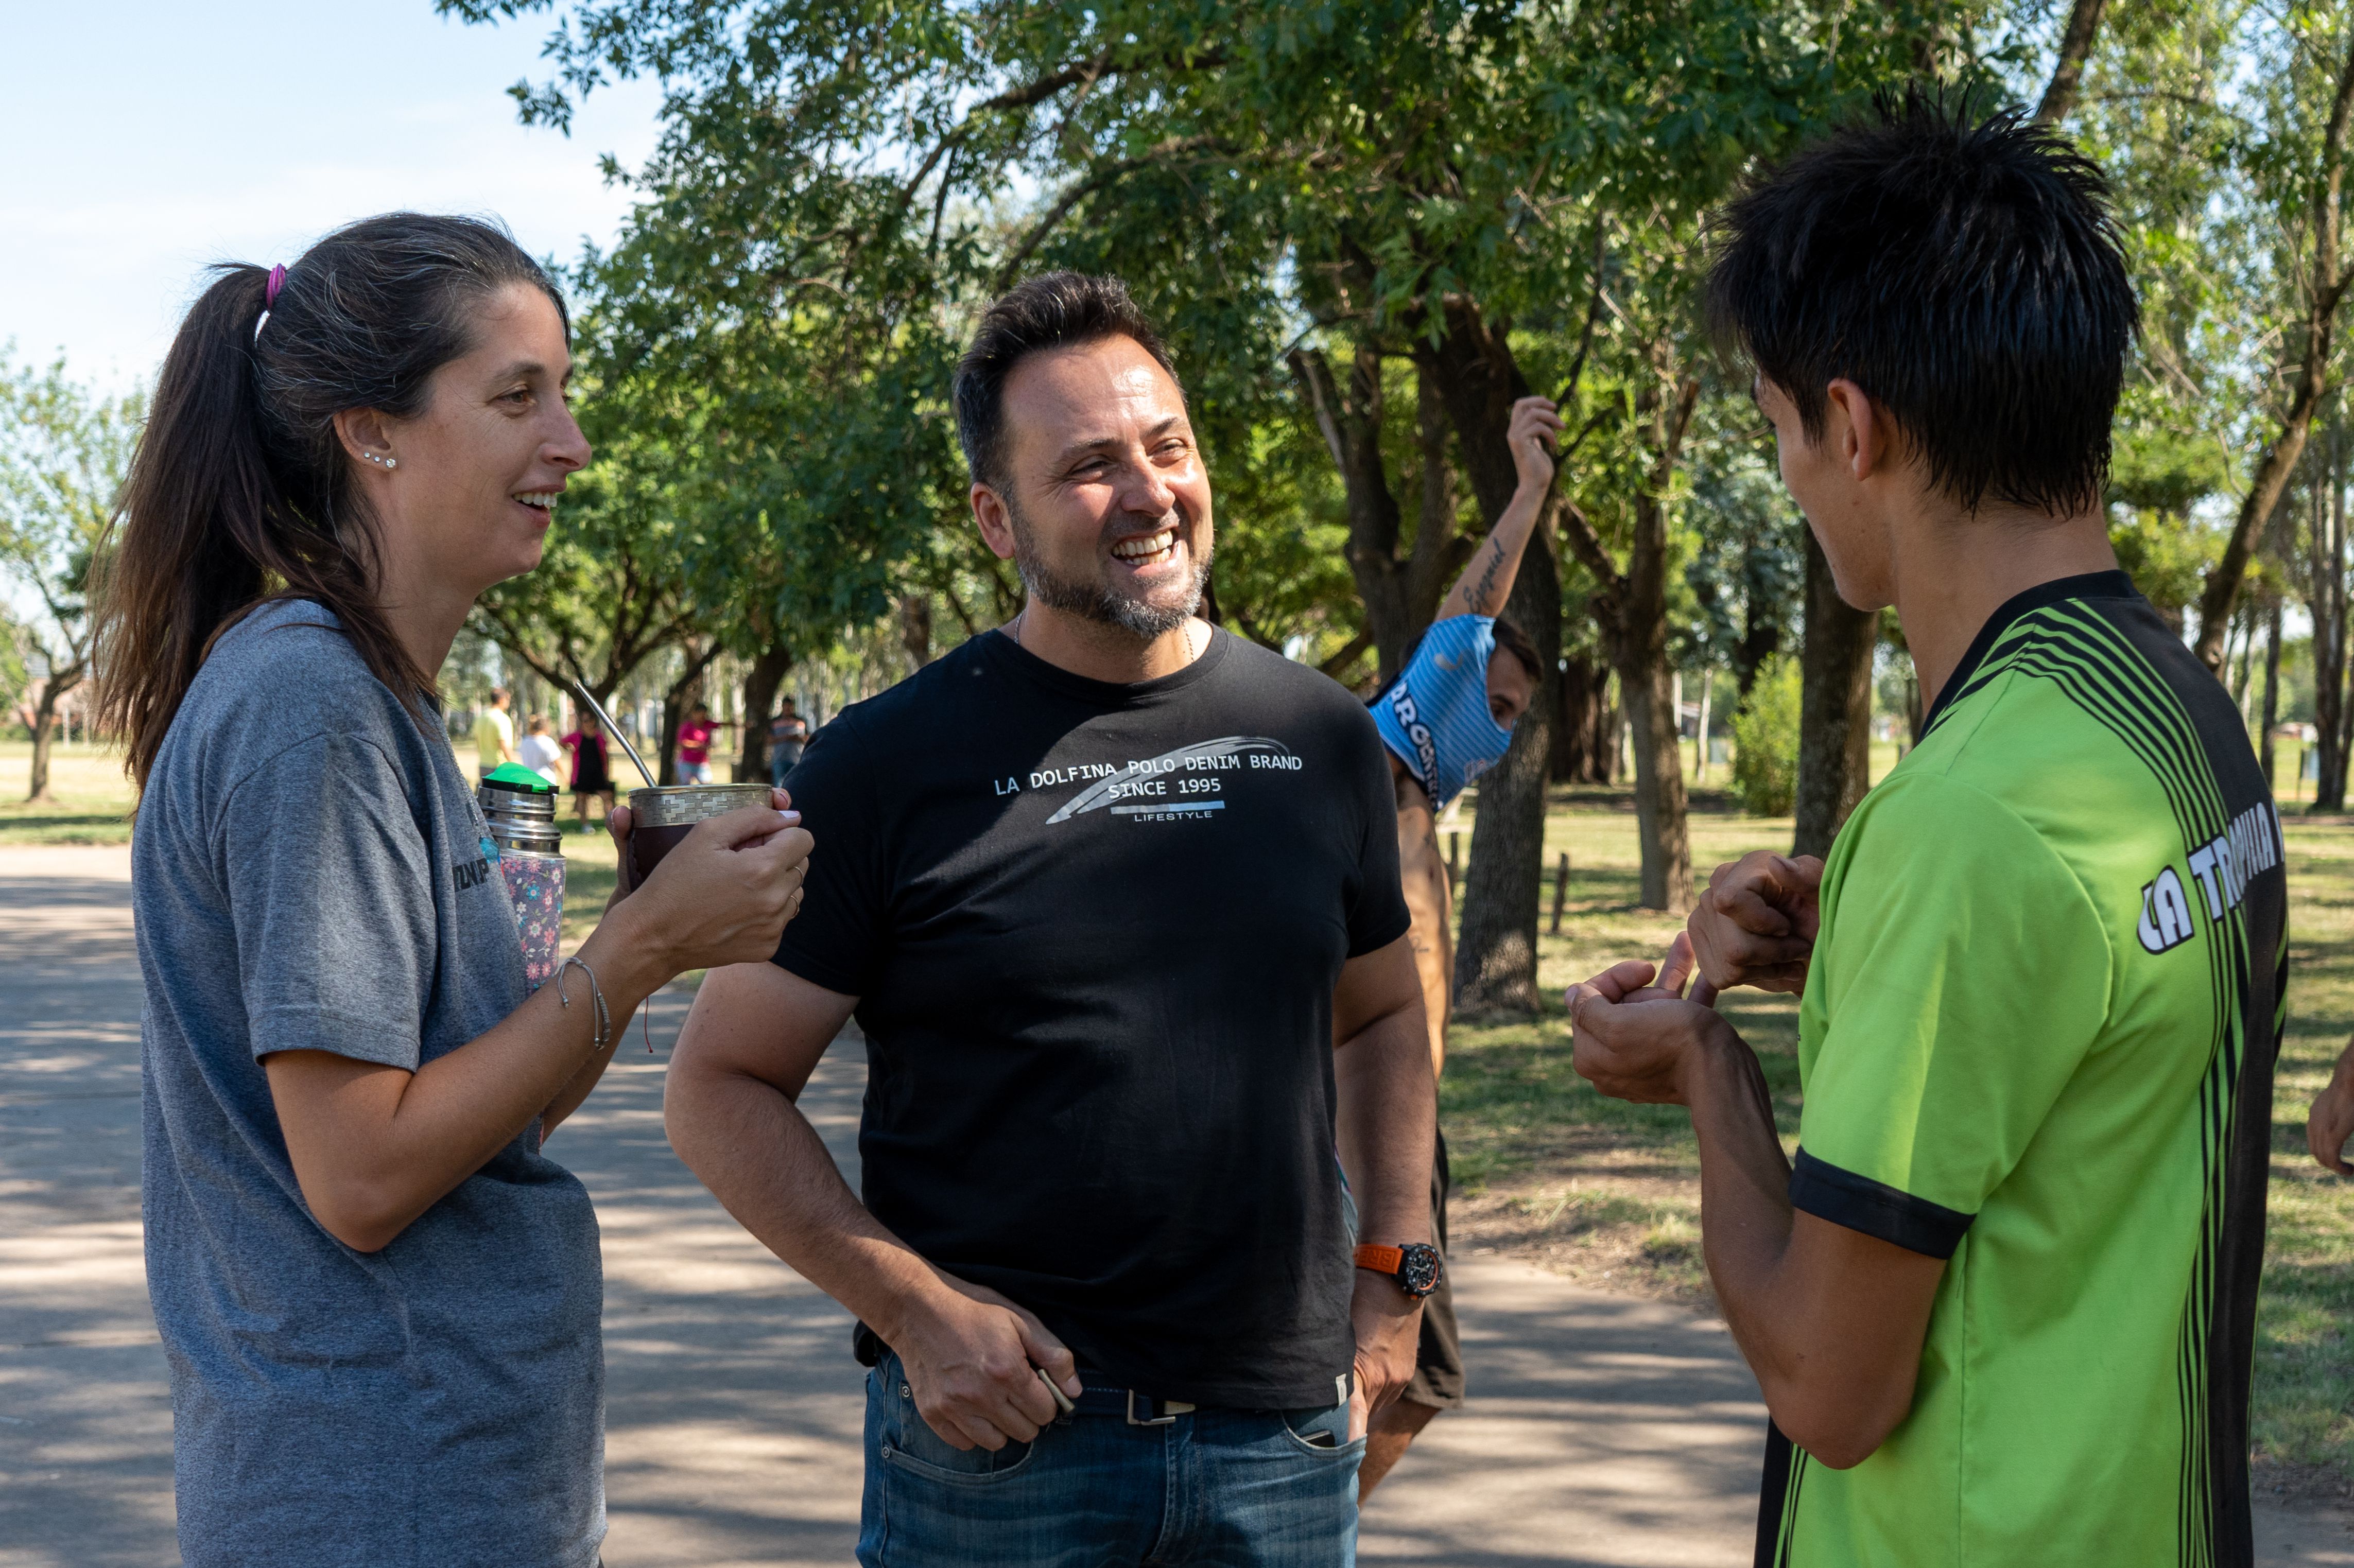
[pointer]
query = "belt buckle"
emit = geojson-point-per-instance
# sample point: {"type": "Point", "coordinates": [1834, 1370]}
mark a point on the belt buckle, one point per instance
{"type": "Point", "coordinates": [1171, 1410]}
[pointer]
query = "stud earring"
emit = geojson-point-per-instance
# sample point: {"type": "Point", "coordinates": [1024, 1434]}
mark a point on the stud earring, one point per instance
{"type": "Point", "coordinates": [392, 462]}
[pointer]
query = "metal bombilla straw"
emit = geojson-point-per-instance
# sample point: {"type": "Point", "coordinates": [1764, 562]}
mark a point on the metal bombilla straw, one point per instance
{"type": "Point", "coordinates": [615, 731]}
{"type": "Point", "coordinates": [640, 763]}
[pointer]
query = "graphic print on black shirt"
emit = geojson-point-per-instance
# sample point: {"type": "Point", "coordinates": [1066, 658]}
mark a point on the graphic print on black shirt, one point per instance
{"type": "Point", "coordinates": [1095, 930]}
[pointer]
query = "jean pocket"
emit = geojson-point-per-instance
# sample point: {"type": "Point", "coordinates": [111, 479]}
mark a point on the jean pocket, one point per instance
{"type": "Point", "coordinates": [1321, 1431]}
{"type": "Point", "coordinates": [908, 1442]}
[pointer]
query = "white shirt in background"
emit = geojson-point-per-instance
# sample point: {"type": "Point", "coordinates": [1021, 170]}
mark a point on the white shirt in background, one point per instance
{"type": "Point", "coordinates": [540, 754]}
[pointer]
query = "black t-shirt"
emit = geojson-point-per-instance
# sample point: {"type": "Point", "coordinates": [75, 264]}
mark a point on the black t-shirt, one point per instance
{"type": "Point", "coordinates": [1095, 930]}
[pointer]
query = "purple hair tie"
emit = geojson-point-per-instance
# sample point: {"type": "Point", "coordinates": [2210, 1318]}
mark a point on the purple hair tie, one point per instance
{"type": "Point", "coordinates": [269, 294]}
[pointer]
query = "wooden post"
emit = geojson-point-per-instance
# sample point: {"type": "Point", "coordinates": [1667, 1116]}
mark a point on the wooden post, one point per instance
{"type": "Point", "coordinates": [1560, 892]}
{"type": "Point", "coordinates": [1454, 859]}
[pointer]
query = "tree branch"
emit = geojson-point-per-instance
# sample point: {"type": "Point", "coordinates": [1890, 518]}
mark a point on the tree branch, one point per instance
{"type": "Point", "coordinates": [2075, 47]}
{"type": "Point", "coordinates": [1586, 337]}
{"type": "Point", "coordinates": [1314, 373]}
{"type": "Point", "coordinates": [1350, 652]}
{"type": "Point", "coordinates": [1586, 544]}
{"type": "Point", "coordinates": [1176, 146]}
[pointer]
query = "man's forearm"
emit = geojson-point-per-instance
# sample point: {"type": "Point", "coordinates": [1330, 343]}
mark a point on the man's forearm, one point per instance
{"type": "Point", "coordinates": [1386, 1122]}
{"type": "Point", "coordinates": [1424, 878]}
{"type": "Point", "coordinates": [1745, 1185]}
{"type": "Point", "coordinates": [1830, 1320]}
{"type": "Point", "coordinates": [1487, 582]}
{"type": "Point", "coordinates": [768, 1166]}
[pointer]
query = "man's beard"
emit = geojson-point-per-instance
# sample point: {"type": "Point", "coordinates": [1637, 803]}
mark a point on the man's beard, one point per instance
{"type": "Point", "coordinates": [1095, 601]}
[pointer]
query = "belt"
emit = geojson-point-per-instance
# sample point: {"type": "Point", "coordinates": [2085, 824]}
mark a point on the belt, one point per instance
{"type": "Point", "coordinates": [1141, 1409]}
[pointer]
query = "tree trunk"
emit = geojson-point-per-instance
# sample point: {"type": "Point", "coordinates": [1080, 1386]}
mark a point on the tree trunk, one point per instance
{"type": "Point", "coordinates": [1584, 725]}
{"type": "Point", "coordinates": [1835, 711]}
{"type": "Point", "coordinates": [1699, 768]}
{"type": "Point", "coordinates": [1496, 954]}
{"type": "Point", "coordinates": [2075, 45]}
{"type": "Point", "coordinates": [2240, 667]}
{"type": "Point", "coordinates": [1437, 553]}
{"type": "Point", "coordinates": [767, 673]}
{"type": "Point", "coordinates": [2326, 287]}
{"type": "Point", "coordinates": [1645, 684]}
{"type": "Point", "coordinates": [676, 700]}
{"type": "Point", "coordinates": [45, 732]}
{"type": "Point", "coordinates": [1399, 594]}
{"type": "Point", "coordinates": [2327, 559]}
{"type": "Point", "coordinates": [1660, 824]}
{"type": "Point", "coordinates": [915, 626]}
{"type": "Point", "coordinates": [1350, 423]}
{"type": "Point", "coordinates": [2272, 689]}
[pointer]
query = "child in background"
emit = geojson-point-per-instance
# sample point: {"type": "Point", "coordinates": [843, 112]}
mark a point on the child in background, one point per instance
{"type": "Point", "coordinates": [538, 750]}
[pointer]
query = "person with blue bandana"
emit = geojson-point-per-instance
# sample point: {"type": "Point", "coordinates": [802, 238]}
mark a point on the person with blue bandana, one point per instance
{"type": "Point", "coordinates": [1445, 720]}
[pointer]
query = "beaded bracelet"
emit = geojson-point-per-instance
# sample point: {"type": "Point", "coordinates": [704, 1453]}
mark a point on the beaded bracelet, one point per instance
{"type": "Point", "coordinates": [596, 994]}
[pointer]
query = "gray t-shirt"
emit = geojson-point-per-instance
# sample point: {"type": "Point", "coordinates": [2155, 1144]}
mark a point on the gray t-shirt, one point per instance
{"type": "Point", "coordinates": [309, 870]}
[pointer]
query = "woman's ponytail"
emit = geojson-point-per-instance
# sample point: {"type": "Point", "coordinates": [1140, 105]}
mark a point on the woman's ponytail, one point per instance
{"type": "Point", "coordinates": [241, 492]}
{"type": "Point", "coordinates": [174, 578]}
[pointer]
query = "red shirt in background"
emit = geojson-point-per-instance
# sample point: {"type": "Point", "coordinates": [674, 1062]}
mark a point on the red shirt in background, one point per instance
{"type": "Point", "coordinates": [695, 741]}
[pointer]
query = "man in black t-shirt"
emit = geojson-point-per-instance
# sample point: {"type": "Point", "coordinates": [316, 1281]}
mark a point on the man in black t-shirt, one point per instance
{"type": "Point", "coordinates": [1115, 898]}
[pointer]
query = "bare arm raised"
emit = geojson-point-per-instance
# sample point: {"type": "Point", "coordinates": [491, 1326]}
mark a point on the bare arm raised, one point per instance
{"type": "Point", "coordinates": [1487, 582]}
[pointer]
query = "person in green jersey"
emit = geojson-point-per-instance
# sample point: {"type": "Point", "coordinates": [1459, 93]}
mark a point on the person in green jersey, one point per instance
{"type": "Point", "coordinates": [2001, 1306]}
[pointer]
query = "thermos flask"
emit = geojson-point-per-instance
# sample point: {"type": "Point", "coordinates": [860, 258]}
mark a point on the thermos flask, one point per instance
{"type": "Point", "coordinates": [520, 807]}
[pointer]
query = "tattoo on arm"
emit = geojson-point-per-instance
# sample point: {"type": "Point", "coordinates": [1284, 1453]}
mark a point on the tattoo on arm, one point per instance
{"type": "Point", "coordinates": [1486, 583]}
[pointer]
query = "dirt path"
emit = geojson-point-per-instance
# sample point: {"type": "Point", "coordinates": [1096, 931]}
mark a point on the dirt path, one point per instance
{"type": "Point", "coordinates": [1605, 1429]}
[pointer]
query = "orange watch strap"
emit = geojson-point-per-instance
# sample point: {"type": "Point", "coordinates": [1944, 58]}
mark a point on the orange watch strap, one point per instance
{"type": "Point", "coordinates": [1380, 1259]}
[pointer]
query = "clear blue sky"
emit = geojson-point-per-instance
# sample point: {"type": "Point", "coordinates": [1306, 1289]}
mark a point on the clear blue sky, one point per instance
{"type": "Point", "coordinates": [148, 138]}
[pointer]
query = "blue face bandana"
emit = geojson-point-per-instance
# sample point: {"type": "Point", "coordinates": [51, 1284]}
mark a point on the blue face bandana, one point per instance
{"type": "Point", "coordinates": [1435, 717]}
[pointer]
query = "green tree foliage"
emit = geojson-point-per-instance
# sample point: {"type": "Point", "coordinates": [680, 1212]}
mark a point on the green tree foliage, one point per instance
{"type": "Point", "coordinates": [1366, 227]}
{"type": "Point", "coordinates": [1765, 740]}
{"type": "Point", "coordinates": [64, 450]}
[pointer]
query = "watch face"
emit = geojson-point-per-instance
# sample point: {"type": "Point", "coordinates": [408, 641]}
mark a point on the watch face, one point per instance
{"type": "Point", "coordinates": [1418, 1275]}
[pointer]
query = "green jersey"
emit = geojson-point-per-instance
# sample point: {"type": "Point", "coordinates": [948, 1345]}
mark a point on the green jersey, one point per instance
{"type": "Point", "coordinates": [2037, 1040]}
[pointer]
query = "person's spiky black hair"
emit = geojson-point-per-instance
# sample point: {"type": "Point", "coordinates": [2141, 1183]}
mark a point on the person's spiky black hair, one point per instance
{"type": "Point", "coordinates": [1964, 272]}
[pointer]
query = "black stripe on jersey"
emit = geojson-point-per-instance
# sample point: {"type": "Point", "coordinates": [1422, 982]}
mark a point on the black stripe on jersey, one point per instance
{"type": "Point", "coordinates": [1777, 1506]}
{"type": "Point", "coordinates": [1832, 1193]}
{"type": "Point", "coordinates": [2100, 643]}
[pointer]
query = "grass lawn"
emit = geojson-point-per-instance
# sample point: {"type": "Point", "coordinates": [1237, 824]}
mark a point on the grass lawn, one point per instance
{"type": "Point", "coordinates": [93, 798]}
{"type": "Point", "coordinates": [1607, 1193]}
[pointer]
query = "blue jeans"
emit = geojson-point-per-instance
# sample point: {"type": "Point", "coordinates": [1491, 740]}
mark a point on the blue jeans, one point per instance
{"type": "Point", "coordinates": [1216, 1488]}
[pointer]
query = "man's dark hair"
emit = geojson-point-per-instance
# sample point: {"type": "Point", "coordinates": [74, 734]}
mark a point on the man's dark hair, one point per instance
{"type": "Point", "coordinates": [1963, 272]}
{"type": "Point", "coordinates": [1513, 641]}
{"type": "Point", "coordinates": [1509, 639]}
{"type": "Point", "coordinates": [1054, 310]}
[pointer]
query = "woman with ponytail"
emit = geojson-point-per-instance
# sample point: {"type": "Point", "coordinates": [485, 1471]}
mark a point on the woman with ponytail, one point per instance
{"type": "Point", "coordinates": [379, 1298]}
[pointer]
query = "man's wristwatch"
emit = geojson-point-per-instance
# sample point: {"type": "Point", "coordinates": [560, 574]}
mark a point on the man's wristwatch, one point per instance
{"type": "Point", "coordinates": [1414, 1266]}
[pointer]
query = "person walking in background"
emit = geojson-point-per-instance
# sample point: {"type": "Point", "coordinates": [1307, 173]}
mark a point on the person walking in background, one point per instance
{"type": "Point", "coordinates": [2002, 1308]}
{"type": "Point", "coordinates": [694, 736]}
{"type": "Point", "coordinates": [788, 733]}
{"type": "Point", "coordinates": [494, 732]}
{"type": "Point", "coordinates": [592, 776]}
{"type": "Point", "coordinates": [378, 1297]}
{"type": "Point", "coordinates": [1100, 1271]}
{"type": "Point", "coordinates": [1445, 720]}
{"type": "Point", "coordinates": [538, 750]}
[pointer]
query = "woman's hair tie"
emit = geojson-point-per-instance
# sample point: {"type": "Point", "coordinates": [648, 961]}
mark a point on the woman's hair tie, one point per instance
{"type": "Point", "coordinates": [269, 294]}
